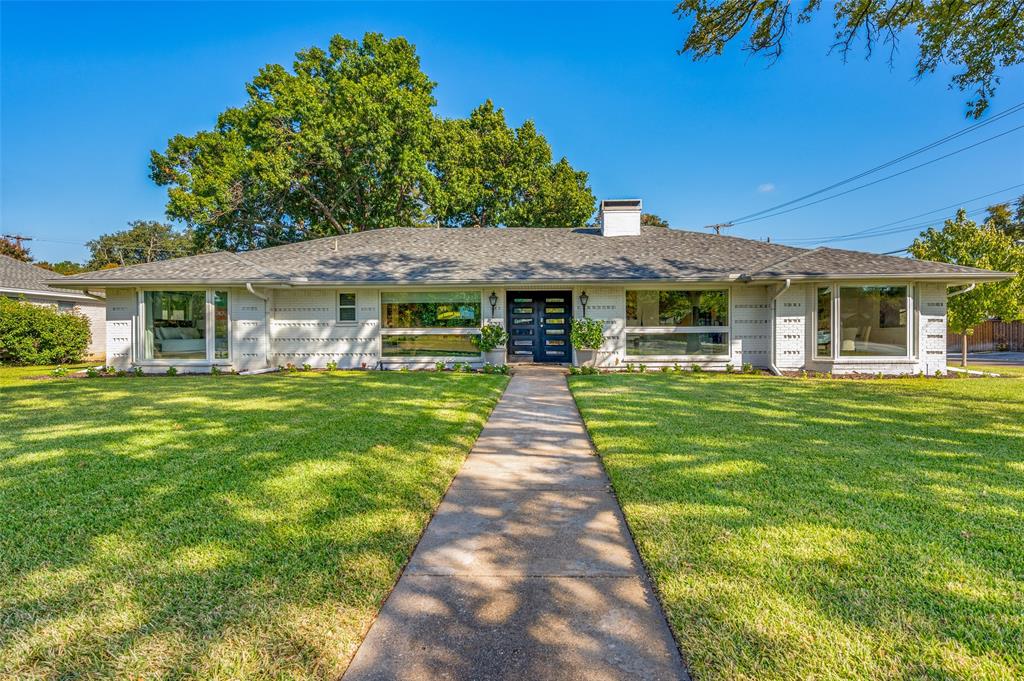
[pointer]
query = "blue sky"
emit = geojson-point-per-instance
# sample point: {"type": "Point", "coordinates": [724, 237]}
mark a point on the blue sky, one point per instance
{"type": "Point", "coordinates": [88, 90]}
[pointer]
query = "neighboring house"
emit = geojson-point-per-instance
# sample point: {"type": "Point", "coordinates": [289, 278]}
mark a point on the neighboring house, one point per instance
{"type": "Point", "coordinates": [416, 296]}
{"type": "Point", "coordinates": [24, 280]}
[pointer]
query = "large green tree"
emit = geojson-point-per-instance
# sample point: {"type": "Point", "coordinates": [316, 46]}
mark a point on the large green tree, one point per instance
{"type": "Point", "coordinates": [962, 242]}
{"type": "Point", "coordinates": [336, 145]}
{"type": "Point", "coordinates": [979, 38]}
{"type": "Point", "coordinates": [347, 141]}
{"type": "Point", "coordinates": [486, 174]}
{"type": "Point", "coordinates": [143, 241]}
{"type": "Point", "coordinates": [652, 220]}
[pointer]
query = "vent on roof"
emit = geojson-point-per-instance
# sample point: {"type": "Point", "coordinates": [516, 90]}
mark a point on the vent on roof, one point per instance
{"type": "Point", "coordinates": [621, 217]}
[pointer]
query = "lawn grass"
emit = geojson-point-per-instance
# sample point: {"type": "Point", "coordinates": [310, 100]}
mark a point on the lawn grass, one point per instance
{"type": "Point", "coordinates": [820, 529]}
{"type": "Point", "coordinates": [215, 527]}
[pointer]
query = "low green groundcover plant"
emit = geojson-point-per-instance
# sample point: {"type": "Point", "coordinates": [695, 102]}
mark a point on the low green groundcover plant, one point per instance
{"type": "Point", "coordinates": [39, 334]}
{"type": "Point", "coordinates": [825, 529]}
{"type": "Point", "coordinates": [225, 527]}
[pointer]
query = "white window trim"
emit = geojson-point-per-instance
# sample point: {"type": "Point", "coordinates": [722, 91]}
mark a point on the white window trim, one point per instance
{"type": "Point", "coordinates": [837, 357]}
{"type": "Point", "coordinates": [211, 311]}
{"type": "Point", "coordinates": [834, 307]}
{"type": "Point", "coordinates": [354, 306]}
{"type": "Point", "coordinates": [726, 329]}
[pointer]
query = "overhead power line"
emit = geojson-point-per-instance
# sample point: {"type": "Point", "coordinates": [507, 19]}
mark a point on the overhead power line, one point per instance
{"type": "Point", "coordinates": [1012, 110]}
{"type": "Point", "coordinates": [881, 179]}
{"type": "Point", "coordinates": [870, 230]}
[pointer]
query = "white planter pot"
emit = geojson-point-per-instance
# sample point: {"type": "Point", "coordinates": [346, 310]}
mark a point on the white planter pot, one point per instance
{"type": "Point", "coordinates": [497, 356]}
{"type": "Point", "coordinates": [586, 358]}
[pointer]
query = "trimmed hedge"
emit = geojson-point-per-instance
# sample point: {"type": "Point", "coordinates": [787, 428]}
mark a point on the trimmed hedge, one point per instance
{"type": "Point", "coordinates": [39, 334]}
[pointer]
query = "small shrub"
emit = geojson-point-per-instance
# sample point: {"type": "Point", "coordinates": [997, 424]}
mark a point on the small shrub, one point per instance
{"type": "Point", "coordinates": [574, 370]}
{"type": "Point", "coordinates": [93, 372]}
{"type": "Point", "coordinates": [487, 368]}
{"type": "Point", "coordinates": [748, 368]}
{"type": "Point", "coordinates": [630, 368]}
{"type": "Point", "coordinates": [491, 336]}
{"type": "Point", "coordinates": [332, 365]}
{"type": "Point", "coordinates": [677, 368]}
{"type": "Point", "coordinates": [39, 334]}
{"type": "Point", "coordinates": [880, 375]}
{"type": "Point", "coordinates": [696, 368]}
{"type": "Point", "coordinates": [403, 369]}
{"type": "Point", "coordinates": [137, 371]}
{"type": "Point", "coordinates": [920, 374]}
{"type": "Point", "coordinates": [731, 368]}
{"type": "Point", "coordinates": [439, 366]}
{"type": "Point", "coordinates": [504, 369]}
{"type": "Point", "coordinates": [665, 369]}
{"type": "Point", "coordinates": [215, 370]}
{"type": "Point", "coordinates": [828, 375]}
{"type": "Point", "coordinates": [59, 372]}
{"type": "Point", "coordinates": [466, 368]}
{"type": "Point", "coordinates": [172, 371]}
{"type": "Point", "coordinates": [804, 374]}
{"type": "Point", "coordinates": [121, 373]}
{"type": "Point", "coordinates": [307, 367]}
{"type": "Point", "coordinates": [642, 368]}
{"type": "Point", "coordinates": [938, 373]}
{"type": "Point", "coordinates": [589, 371]}
{"type": "Point", "coordinates": [586, 334]}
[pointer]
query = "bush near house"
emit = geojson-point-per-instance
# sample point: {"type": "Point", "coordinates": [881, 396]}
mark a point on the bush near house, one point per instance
{"type": "Point", "coordinates": [39, 334]}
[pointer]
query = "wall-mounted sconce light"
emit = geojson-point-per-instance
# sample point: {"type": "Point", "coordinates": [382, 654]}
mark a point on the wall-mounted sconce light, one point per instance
{"type": "Point", "coordinates": [493, 300]}
{"type": "Point", "coordinates": [583, 301]}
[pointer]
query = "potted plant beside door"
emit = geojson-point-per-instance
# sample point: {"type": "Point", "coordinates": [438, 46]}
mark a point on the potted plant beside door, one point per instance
{"type": "Point", "coordinates": [586, 335]}
{"type": "Point", "coordinates": [491, 341]}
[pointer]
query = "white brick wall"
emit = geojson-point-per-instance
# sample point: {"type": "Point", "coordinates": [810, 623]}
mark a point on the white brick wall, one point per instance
{"type": "Point", "coordinates": [791, 327]}
{"type": "Point", "coordinates": [608, 305]}
{"type": "Point", "coordinates": [249, 329]}
{"type": "Point", "coordinates": [751, 325]}
{"type": "Point", "coordinates": [120, 327]}
{"type": "Point", "coordinates": [304, 329]}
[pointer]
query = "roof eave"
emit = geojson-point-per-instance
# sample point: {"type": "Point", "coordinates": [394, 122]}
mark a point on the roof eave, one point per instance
{"type": "Point", "coordinates": [966, 277]}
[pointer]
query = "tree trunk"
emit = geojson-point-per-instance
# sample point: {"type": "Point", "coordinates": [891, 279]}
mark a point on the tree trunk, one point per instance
{"type": "Point", "coordinates": [963, 350]}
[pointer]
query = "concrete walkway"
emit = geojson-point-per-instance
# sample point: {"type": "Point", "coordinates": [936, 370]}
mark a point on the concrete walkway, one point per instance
{"type": "Point", "coordinates": [527, 570]}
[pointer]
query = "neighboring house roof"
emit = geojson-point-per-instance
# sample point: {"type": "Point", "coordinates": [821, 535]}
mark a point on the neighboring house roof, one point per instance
{"type": "Point", "coordinates": [20, 277]}
{"type": "Point", "coordinates": [492, 256]}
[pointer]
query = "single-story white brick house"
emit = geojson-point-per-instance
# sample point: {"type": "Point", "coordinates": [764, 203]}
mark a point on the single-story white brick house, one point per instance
{"type": "Point", "coordinates": [25, 281]}
{"type": "Point", "coordinates": [414, 296]}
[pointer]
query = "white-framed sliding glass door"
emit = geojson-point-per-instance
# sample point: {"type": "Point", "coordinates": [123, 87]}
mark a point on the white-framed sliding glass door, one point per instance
{"type": "Point", "coordinates": [188, 326]}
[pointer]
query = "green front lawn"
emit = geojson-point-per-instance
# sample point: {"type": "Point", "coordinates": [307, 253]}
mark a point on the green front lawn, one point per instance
{"type": "Point", "coordinates": [817, 529]}
{"type": "Point", "coordinates": [215, 527]}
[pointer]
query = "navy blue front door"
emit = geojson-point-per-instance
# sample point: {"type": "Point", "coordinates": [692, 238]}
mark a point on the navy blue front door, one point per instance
{"type": "Point", "coordinates": [538, 326]}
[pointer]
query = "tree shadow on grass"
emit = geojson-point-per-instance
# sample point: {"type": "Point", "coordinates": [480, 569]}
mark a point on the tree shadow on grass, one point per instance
{"type": "Point", "coordinates": [887, 514]}
{"type": "Point", "coordinates": [197, 525]}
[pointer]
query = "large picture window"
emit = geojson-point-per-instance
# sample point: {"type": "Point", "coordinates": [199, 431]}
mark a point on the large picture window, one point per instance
{"type": "Point", "coordinates": [873, 321]}
{"type": "Point", "coordinates": [677, 323]}
{"type": "Point", "coordinates": [178, 324]}
{"type": "Point", "coordinates": [677, 308]}
{"type": "Point", "coordinates": [431, 310]}
{"type": "Point", "coordinates": [428, 345]}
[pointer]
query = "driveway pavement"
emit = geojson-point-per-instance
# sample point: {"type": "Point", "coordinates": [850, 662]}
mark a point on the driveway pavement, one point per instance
{"type": "Point", "coordinates": [527, 570]}
{"type": "Point", "coordinates": [996, 358]}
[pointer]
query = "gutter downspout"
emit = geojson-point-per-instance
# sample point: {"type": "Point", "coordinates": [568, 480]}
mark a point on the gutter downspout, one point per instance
{"type": "Point", "coordinates": [771, 331]}
{"type": "Point", "coordinates": [954, 294]}
{"type": "Point", "coordinates": [250, 289]}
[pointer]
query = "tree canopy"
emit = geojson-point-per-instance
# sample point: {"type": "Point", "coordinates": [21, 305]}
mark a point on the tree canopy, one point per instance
{"type": "Point", "coordinates": [1008, 217]}
{"type": "Point", "coordinates": [979, 38]}
{"type": "Point", "coordinates": [347, 141]}
{"type": "Point", "coordinates": [962, 242]}
{"type": "Point", "coordinates": [486, 174]}
{"type": "Point", "coordinates": [143, 241]}
{"type": "Point", "coordinates": [652, 220]}
{"type": "Point", "coordinates": [13, 249]}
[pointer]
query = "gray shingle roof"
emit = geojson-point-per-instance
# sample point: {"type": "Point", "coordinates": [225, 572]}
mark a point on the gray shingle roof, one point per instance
{"type": "Point", "coordinates": [23, 276]}
{"type": "Point", "coordinates": [411, 255]}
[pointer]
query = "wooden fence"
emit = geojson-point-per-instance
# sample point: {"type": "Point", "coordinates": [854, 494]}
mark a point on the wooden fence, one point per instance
{"type": "Point", "coordinates": [989, 337]}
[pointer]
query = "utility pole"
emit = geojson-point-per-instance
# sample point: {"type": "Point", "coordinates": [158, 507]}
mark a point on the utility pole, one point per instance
{"type": "Point", "coordinates": [17, 238]}
{"type": "Point", "coordinates": [718, 227]}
